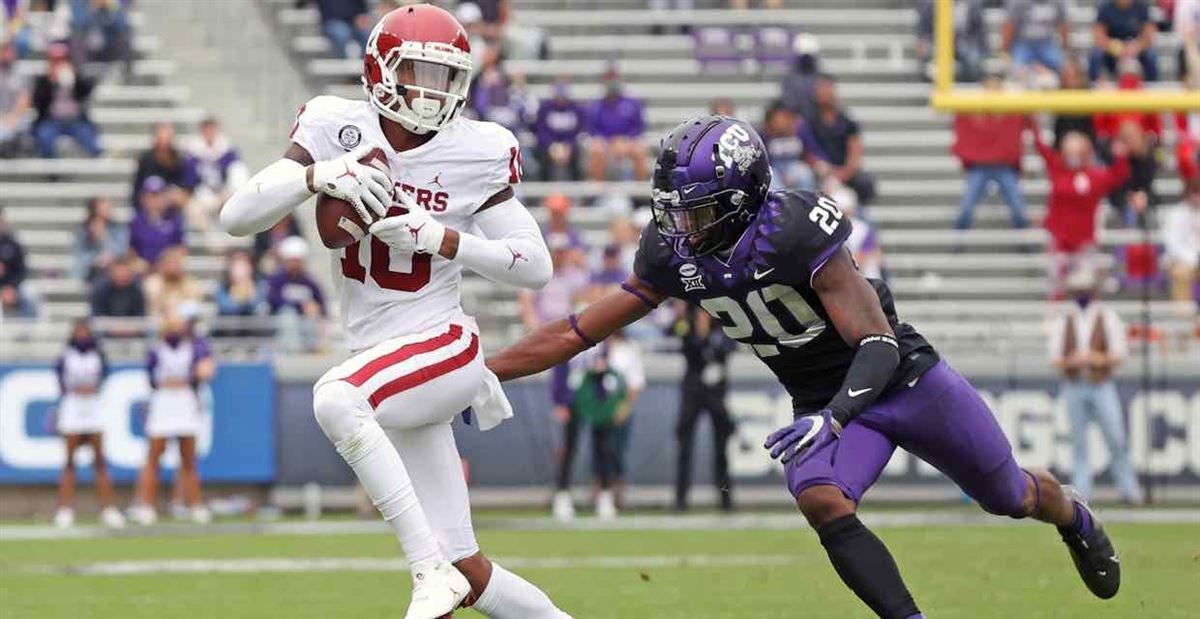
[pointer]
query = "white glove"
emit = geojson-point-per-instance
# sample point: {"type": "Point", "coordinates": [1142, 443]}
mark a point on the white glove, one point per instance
{"type": "Point", "coordinates": [414, 232]}
{"type": "Point", "coordinates": [490, 404]}
{"type": "Point", "coordinates": [366, 188]}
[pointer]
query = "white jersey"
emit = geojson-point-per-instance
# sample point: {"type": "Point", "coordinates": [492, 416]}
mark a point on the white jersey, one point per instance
{"type": "Point", "coordinates": [386, 293]}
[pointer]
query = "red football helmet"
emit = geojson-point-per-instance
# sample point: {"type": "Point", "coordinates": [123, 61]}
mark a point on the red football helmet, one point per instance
{"type": "Point", "coordinates": [417, 67]}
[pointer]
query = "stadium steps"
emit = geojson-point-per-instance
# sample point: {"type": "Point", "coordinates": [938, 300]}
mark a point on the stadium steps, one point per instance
{"type": "Point", "coordinates": [871, 49]}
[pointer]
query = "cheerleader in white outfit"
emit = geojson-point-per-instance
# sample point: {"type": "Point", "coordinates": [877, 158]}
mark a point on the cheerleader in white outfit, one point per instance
{"type": "Point", "coordinates": [177, 365]}
{"type": "Point", "coordinates": [81, 370]}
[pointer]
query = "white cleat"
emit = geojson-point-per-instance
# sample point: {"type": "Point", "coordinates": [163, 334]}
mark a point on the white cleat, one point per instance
{"type": "Point", "coordinates": [64, 518]}
{"type": "Point", "coordinates": [200, 515]}
{"type": "Point", "coordinates": [606, 506]}
{"type": "Point", "coordinates": [111, 517]}
{"type": "Point", "coordinates": [437, 592]}
{"type": "Point", "coordinates": [562, 507]}
{"type": "Point", "coordinates": [143, 515]}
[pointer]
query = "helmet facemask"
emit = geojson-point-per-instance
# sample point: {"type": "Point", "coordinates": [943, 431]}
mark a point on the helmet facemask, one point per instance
{"type": "Point", "coordinates": [435, 75]}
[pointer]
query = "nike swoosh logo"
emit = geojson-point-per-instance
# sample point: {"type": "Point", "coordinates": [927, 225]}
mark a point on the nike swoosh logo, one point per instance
{"type": "Point", "coordinates": [1102, 573]}
{"type": "Point", "coordinates": [914, 382]}
{"type": "Point", "coordinates": [1114, 559]}
{"type": "Point", "coordinates": [689, 189]}
{"type": "Point", "coordinates": [854, 393]}
{"type": "Point", "coordinates": [758, 275]}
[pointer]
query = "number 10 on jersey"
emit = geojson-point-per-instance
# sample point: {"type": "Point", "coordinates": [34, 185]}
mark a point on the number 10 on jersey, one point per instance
{"type": "Point", "coordinates": [381, 267]}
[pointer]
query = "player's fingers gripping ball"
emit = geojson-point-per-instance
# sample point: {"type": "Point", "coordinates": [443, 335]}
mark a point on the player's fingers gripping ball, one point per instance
{"type": "Point", "coordinates": [367, 188]}
{"type": "Point", "coordinates": [807, 434]}
{"type": "Point", "coordinates": [415, 231]}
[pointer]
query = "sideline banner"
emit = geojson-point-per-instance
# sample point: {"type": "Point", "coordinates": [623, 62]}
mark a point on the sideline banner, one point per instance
{"type": "Point", "coordinates": [237, 443]}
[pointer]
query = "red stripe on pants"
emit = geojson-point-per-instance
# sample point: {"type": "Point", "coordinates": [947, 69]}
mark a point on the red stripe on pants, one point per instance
{"type": "Point", "coordinates": [404, 352]}
{"type": "Point", "coordinates": [426, 374]}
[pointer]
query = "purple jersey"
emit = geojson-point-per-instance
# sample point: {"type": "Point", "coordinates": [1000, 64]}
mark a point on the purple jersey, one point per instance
{"type": "Point", "coordinates": [619, 116]}
{"type": "Point", "coordinates": [762, 294]}
{"type": "Point", "coordinates": [150, 238]}
{"type": "Point", "coordinates": [558, 121]}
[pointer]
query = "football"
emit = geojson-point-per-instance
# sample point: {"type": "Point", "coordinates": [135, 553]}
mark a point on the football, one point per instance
{"type": "Point", "coordinates": [338, 222]}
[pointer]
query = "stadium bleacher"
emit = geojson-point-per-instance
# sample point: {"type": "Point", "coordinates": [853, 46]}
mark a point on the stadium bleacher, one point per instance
{"type": "Point", "coordinates": [907, 148]}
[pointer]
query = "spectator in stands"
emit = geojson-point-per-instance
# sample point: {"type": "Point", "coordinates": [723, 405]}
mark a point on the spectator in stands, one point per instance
{"type": "Point", "coordinates": [559, 122]}
{"type": "Point", "coordinates": [864, 241]}
{"type": "Point", "coordinates": [839, 143]}
{"type": "Point", "coordinates": [99, 240]}
{"type": "Point", "coordinates": [970, 39]}
{"type": "Point", "coordinates": [14, 27]}
{"type": "Point", "coordinates": [158, 224]}
{"type": "Point", "coordinates": [611, 273]}
{"type": "Point", "coordinates": [1074, 76]}
{"type": "Point", "coordinates": [1137, 193]}
{"type": "Point", "coordinates": [14, 304]}
{"type": "Point", "coordinates": [100, 32]}
{"type": "Point", "coordinates": [722, 106]}
{"type": "Point", "coordinates": [119, 294]}
{"type": "Point", "coordinates": [1181, 240]}
{"type": "Point", "coordinates": [704, 389]}
{"type": "Point", "coordinates": [1186, 25]}
{"type": "Point", "coordinates": [499, 98]}
{"type": "Point", "coordinates": [471, 18]}
{"type": "Point", "coordinates": [790, 155]}
{"type": "Point", "coordinates": [1108, 124]}
{"type": "Point", "coordinates": [295, 298]}
{"type": "Point", "coordinates": [1077, 185]}
{"type": "Point", "coordinates": [494, 14]}
{"type": "Point", "coordinates": [12, 257]}
{"type": "Point", "coordinates": [1123, 30]}
{"type": "Point", "coordinates": [61, 98]}
{"type": "Point", "coordinates": [14, 101]}
{"type": "Point", "coordinates": [240, 294]}
{"type": "Point", "coordinates": [266, 243]}
{"type": "Point", "coordinates": [616, 126]}
{"type": "Point", "coordinates": [166, 162]}
{"type": "Point", "coordinates": [1034, 35]}
{"type": "Point", "coordinates": [799, 88]}
{"type": "Point", "coordinates": [170, 287]}
{"type": "Point", "coordinates": [1087, 342]}
{"type": "Point", "coordinates": [217, 169]}
{"type": "Point", "coordinates": [989, 146]}
{"type": "Point", "coordinates": [15, 299]}
{"type": "Point", "coordinates": [558, 228]}
{"type": "Point", "coordinates": [347, 24]}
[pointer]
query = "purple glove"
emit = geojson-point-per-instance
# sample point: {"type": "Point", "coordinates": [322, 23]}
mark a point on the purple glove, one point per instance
{"type": "Point", "coordinates": [807, 434]}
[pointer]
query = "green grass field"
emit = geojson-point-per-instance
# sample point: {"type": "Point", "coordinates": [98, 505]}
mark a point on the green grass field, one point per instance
{"type": "Point", "coordinates": [954, 571]}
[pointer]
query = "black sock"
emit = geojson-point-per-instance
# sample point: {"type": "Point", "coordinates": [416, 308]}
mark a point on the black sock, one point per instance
{"type": "Point", "coordinates": [866, 566]}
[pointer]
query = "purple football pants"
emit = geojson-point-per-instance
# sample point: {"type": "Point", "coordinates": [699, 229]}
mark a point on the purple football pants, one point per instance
{"type": "Point", "coordinates": [940, 419]}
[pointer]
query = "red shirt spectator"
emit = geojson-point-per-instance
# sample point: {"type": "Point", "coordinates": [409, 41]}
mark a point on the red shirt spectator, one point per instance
{"type": "Point", "coordinates": [1107, 125]}
{"type": "Point", "coordinates": [1076, 188]}
{"type": "Point", "coordinates": [989, 139]}
{"type": "Point", "coordinates": [1187, 143]}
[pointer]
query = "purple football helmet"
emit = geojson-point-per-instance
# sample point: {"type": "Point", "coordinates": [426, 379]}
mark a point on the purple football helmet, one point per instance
{"type": "Point", "coordinates": [710, 179]}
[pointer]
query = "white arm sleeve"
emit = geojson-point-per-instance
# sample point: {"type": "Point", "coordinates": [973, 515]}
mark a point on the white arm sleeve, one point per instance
{"type": "Point", "coordinates": [511, 251]}
{"type": "Point", "coordinates": [267, 197]}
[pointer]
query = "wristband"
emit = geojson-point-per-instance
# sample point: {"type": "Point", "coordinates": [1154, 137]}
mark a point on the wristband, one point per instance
{"type": "Point", "coordinates": [574, 321]}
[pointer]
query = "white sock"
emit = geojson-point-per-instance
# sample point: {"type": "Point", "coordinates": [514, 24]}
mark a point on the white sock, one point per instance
{"type": "Point", "coordinates": [508, 596]}
{"type": "Point", "coordinates": [382, 473]}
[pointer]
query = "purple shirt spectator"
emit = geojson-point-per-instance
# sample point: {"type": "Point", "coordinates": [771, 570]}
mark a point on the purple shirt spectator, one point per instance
{"type": "Point", "coordinates": [293, 290]}
{"type": "Point", "coordinates": [497, 102]}
{"type": "Point", "coordinates": [617, 115]}
{"type": "Point", "coordinates": [209, 165]}
{"type": "Point", "coordinates": [150, 235]}
{"type": "Point", "coordinates": [559, 120]}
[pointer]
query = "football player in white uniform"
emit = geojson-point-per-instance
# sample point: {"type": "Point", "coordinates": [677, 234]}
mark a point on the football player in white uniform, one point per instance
{"type": "Point", "coordinates": [417, 362]}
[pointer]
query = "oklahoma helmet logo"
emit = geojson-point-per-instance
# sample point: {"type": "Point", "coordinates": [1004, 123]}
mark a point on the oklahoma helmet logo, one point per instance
{"type": "Point", "coordinates": [349, 136]}
{"type": "Point", "coordinates": [691, 277]}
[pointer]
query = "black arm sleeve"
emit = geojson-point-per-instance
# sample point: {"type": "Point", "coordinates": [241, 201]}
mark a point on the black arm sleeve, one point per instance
{"type": "Point", "coordinates": [874, 363]}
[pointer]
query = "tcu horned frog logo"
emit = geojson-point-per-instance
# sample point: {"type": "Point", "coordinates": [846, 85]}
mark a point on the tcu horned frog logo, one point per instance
{"type": "Point", "coordinates": [734, 148]}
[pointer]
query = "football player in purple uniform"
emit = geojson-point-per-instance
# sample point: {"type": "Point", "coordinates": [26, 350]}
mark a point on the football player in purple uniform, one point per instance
{"type": "Point", "coordinates": [772, 269]}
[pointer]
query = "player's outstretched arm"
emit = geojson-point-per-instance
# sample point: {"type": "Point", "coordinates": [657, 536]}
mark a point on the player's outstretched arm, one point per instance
{"type": "Point", "coordinates": [279, 188]}
{"type": "Point", "coordinates": [556, 342]}
{"type": "Point", "coordinates": [854, 309]}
